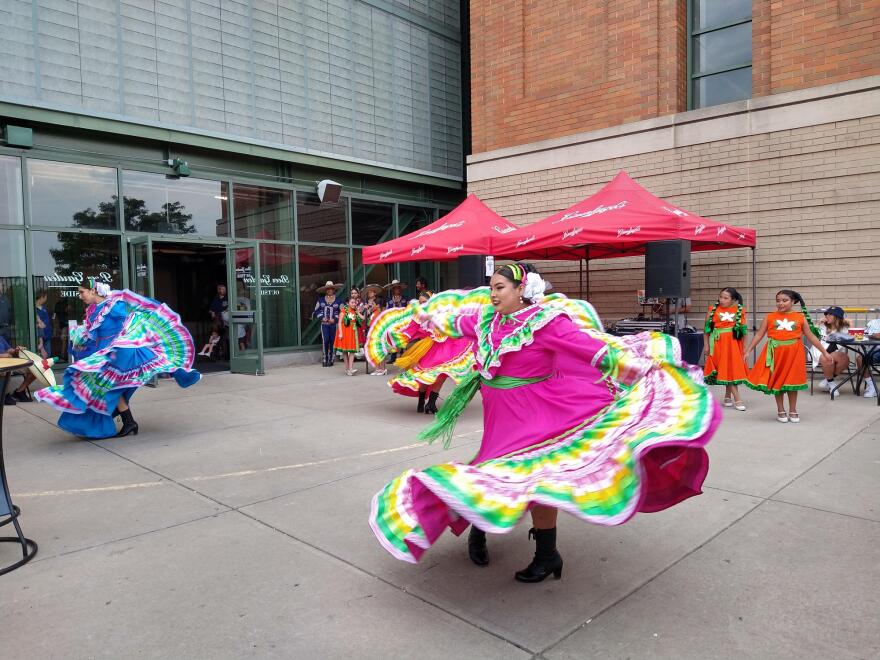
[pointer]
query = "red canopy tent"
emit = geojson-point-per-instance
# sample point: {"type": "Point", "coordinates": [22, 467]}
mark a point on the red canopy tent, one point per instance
{"type": "Point", "coordinates": [471, 228]}
{"type": "Point", "coordinates": [619, 221]}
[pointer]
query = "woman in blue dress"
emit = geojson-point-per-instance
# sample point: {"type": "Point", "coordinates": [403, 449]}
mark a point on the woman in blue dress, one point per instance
{"type": "Point", "coordinates": [125, 341]}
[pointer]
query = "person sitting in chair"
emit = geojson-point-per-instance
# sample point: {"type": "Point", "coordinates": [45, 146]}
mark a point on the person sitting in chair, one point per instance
{"type": "Point", "coordinates": [872, 331]}
{"type": "Point", "coordinates": [20, 394]}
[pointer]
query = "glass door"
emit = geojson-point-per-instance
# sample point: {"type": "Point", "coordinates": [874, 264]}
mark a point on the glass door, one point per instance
{"type": "Point", "coordinates": [245, 308]}
{"type": "Point", "coordinates": [140, 263]}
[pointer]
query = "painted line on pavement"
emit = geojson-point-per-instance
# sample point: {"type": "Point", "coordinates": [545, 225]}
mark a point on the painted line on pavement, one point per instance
{"type": "Point", "coordinates": [241, 473]}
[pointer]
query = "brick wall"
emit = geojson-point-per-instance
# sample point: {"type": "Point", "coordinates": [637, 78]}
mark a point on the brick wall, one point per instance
{"type": "Point", "coordinates": [542, 70]}
{"type": "Point", "coordinates": [812, 194]}
{"type": "Point", "coordinates": [804, 43]}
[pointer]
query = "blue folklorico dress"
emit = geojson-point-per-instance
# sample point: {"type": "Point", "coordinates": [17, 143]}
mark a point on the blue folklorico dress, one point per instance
{"type": "Point", "coordinates": [124, 343]}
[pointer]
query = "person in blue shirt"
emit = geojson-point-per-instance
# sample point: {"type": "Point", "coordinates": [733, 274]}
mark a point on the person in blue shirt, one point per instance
{"type": "Point", "coordinates": [44, 325]}
{"type": "Point", "coordinates": [327, 310]}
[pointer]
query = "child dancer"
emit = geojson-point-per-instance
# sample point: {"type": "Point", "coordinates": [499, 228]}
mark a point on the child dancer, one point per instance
{"type": "Point", "coordinates": [782, 365]}
{"type": "Point", "coordinates": [347, 333]}
{"type": "Point", "coordinates": [725, 329]}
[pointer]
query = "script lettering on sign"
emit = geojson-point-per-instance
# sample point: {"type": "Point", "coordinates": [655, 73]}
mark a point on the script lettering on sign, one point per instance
{"type": "Point", "coordinates": [572, 232]}
{"type": "Point", "coordinates": [525, 241]}
{"type": "Point", "coordinates": [699, 229]}
{"type": "Point", "coordinates": [67, 286]}
{"type": "Point", "coordinates": [721, 230]}
{"type": "Point", "coordinates": [596, 211]}
{"type": "Point", "coordinates": [386, 254]}
{"type": "Point", "coordinates": [443, 227]}
{"type": "Point", "coordinates": [503, 230]}
{"type": "Point", "coordinates": [417, 250]}
{"type": "Point", "coordinates": [678, 212]}
{"type": "Point", "coordinates": [454, 248]}
{"type": "Point", "coordinates": [629, 231]}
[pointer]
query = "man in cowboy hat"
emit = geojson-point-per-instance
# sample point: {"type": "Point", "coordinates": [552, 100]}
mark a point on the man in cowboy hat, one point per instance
{"type": "Point", "coordinates": [395, 297]}
{"type": "Point", "coordinates": [327, 311]}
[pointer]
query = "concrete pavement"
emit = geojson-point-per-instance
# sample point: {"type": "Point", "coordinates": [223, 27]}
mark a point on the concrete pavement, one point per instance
{"type": "Point", "coordinates": [235, 525]}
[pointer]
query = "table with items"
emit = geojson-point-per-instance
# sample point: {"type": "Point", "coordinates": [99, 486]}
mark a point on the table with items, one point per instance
{"type": "Point", "coordinates": [866, 349]}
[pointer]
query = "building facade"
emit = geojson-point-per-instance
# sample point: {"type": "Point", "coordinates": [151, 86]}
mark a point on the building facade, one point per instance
{"type": "Point", "coordinates": [755, 113]}
{"type": "Point", "coordinates": [171, 147]}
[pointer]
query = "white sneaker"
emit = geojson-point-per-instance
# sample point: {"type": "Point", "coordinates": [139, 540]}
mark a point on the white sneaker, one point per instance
{"type": "Point", "coordinates": [870, 392]}
{"type": "Point", "coordinates": [823, 385]}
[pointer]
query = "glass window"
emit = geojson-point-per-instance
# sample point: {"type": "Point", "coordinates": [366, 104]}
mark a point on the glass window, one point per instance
{"type": "Point", "coordinates": [71, 195]}
{"type": "Point", "coordinates": [169, 205]}
{"type": "Point", "coordinates": [61, 262]}
{"type": "Point", "coordinates": [10, 191]}
{"type": "Point", "coordinates": [371, 222]}
{"type": "Point", "coordinates": [14, 305]}
{"type": "Point", "coordinates": [320, 223]}
{"type": "Point", "coordinates": [264, 213]}
{"type": "Point", "coordinates": [709, 13]}
{"type": "Point", "coordinates": [369, 273]}
{"type": "Point", "coordinates": [317, 265]}
{"type": "Point", "coordinates": [279, 295]}
{"type": "Point", "coordinates": [723, 49]}
{"type": "Point", "coordinates": [723, 87]}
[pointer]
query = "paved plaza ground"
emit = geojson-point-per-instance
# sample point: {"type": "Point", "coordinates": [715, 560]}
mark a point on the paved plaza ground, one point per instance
{"type": "Point", "coordinates": [235, 525]}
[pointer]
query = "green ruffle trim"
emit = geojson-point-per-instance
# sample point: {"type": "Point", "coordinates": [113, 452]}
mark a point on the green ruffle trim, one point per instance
{"type": "Point", "coordinates": [781, 390]}
{"type": "Point", "coordinates": [711, 379]}
{"type": "Point", "coordinates": [346, 350]}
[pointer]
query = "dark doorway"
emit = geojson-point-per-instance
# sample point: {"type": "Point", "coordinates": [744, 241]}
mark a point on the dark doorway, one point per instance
{"type": "Point", "coordinates": [185, 277]}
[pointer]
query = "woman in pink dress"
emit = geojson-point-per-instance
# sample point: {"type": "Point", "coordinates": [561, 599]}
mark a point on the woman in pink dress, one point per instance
{"type": "Point", "coordinates": [574, 419]}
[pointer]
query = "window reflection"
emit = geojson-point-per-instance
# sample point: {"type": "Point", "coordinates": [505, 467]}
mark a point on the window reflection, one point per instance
{"type": "Point", "coordinates": [317, 265]}
{"type": "Point", "coordinates": [723, 49]}
{"type": "Point", "coordinates": [409, 219]}
{"type": "Point", "coordinates": [72, 195]}
{"type": "Point", "coordinates": [264, 213]}
{"type": "Point", "coordinates": [61, 262]}
{"type": "Point", "coordinates": [320, 223]}
{"type": "Point", "coordinates": [10, 191]}
{"type": "Point", "coordinates": [278, 294]}
{"type": "Point", "coordinates": [711, 13]}
{"type": "Point", "coordinates": [371, 222]}
{"type": "Point", "coordinates": [156, 203]}
{"type": "Point", "coordinates": [14, 307]}
{"type": "Point", "coordinates": [724, 87]}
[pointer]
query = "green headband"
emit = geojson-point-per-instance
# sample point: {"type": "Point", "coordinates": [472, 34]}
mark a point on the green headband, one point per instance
{"type": "Point", "coordinates": [92, 282]}
{"type": "Point", "coordinates": [517, 272]}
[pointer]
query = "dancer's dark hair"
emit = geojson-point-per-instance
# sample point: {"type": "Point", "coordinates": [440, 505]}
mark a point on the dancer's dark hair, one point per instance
{"type": "Point", "coordinates": [739, 329]}
{"type": "Point", "coordinates": [798, 298]}
{"type": "Point", "coordinates": [516, 273]}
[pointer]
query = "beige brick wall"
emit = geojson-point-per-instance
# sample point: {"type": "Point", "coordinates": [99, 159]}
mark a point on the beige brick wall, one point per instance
{"type": "Point", "coordinates": [812, 194]}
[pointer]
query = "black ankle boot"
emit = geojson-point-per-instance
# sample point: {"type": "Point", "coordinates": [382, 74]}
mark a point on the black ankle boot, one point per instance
{"type": "Point", "coordinates": [477, 550]}
{"type": "Point", "coordinates": [431, 406]}
{"type": "Point", "coordinates": [129, 426]}
{"type": "Point", "coordinates": [421, 406]}
{"type": "Point", "coordinates": [547, 559]}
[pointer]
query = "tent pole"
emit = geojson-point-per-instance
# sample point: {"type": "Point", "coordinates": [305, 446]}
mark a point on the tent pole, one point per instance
{"type": "Point", "coordinates": [587, 259]}
{"type": "Point", "coordinates": [581, 279]}
{"type": "Point", "coordinates": [754, 299]}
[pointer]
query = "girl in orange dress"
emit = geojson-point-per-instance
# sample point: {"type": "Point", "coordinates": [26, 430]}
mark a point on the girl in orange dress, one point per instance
{"type": "Point", "coordinates": [782, 365]}
{"type": "Point", "coordinates": [725, 330]}
{"type": "Point", "coordinates": [347, 342]}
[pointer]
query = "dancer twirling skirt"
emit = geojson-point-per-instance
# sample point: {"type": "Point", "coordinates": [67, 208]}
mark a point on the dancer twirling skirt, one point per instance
{"type": "Point", "coordinates": [574, 419]}
{"type": "Point", "coordinates": [426, 363]}
{"type": "Point", "coordinates": [126, 341]}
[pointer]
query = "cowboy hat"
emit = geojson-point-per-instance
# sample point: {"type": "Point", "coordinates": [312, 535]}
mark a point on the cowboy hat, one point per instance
{"type": "Point", "coordinates": [378, 288]}
{"type": "Point", "coordinates": [395, 283]}
{"type": "Point", "coordinates": [328, 286]}
{"type": "Point", "coordinates": [41, 367]}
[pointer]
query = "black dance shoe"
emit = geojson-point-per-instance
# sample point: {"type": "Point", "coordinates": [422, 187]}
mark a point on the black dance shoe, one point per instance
{"type": "Point", "coordinates": [547, 559]}
{"type": "Point", "coordinates": [129, 426]}
{"type": "Point", "coordinates": [477, 550]}
{"type": "Point", "coordinates": [431, 406]}
{"type": "Point", "coordinates": [421, 405]}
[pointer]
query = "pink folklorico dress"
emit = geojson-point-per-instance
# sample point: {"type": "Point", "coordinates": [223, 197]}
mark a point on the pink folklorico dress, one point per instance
{"type": "Point", "coordinates": [596, 425]}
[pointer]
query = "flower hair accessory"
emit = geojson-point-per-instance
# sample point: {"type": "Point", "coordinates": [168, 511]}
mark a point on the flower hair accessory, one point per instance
{"type": "Point", "coordinates": [535, 286]}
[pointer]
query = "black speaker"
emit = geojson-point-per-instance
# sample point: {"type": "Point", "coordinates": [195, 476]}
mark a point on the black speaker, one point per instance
{"type": "Point", "coordinates": [471, 271]}
{"type": "Point", "coordinates": [668, 269]}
